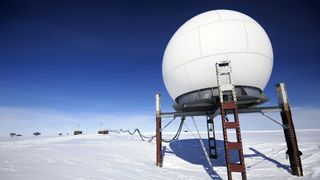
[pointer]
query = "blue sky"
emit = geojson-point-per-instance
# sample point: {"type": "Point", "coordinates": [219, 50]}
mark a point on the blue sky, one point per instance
{"type": "Point", "coordinates": [64, 63]}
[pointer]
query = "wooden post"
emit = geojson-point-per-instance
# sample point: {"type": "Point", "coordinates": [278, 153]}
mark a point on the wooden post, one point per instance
{"type": "Point", "coordinates": [158, 132]}
{"type": "Point", "coordinates": [289, 131]}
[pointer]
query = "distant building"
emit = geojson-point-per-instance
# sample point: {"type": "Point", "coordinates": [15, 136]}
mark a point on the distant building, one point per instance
{"type": "Point", "coordinates": [37, 133]}
{"type": "Point", "coordinates": [103, 132]}
{"type": "Point", "coordinates": [77, 132]}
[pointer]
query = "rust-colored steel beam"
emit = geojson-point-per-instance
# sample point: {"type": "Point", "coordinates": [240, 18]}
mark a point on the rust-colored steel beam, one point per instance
{"type": "Point", "coordinates": [289, 131]}
{"type": "Point", "coordinates": [158, 132]}
{"type": "Point", "coordinates": [232, 166]}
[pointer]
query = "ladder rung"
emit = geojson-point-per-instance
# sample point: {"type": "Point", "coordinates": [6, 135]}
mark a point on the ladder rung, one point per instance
{"type": "Point", "coordinates": [234, 145]}
{"type": "Point", "coordinates": [236, 167]}
{"type": "Point", "coordinates": [231, 125]}
{"type": "Point", "coordinates": [225, 87]}
{"type": "Point", "coordinates": [228, 105]}
{"type": "Point", "coordinates": [212, 147]}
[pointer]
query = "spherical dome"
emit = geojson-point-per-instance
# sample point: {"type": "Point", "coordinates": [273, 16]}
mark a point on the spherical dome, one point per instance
{"type": "Point", "coordinates": [190, 56]}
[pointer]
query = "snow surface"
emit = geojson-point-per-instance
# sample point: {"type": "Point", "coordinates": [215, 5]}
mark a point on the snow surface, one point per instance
{"type": "Point", "coordinates": [96, 157]}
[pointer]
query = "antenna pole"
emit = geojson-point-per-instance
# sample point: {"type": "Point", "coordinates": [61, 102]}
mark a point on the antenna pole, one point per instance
{"type": "Point", "coordinates": [158, 131]}
{"type": "Point", "coordinates": [289, 132]}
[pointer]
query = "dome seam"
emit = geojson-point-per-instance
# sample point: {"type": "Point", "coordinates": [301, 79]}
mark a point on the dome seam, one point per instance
{"type": "Point", "coordinates": [235, 20]}
{"type": "Point", "coordinates": [246, 33]}
{"type": "Point", "coordinates": [199, 39]}
{"type": "Point", "coordinates": [218, 15]}
{"type": "Point", "coordinates": [212, 55]}
{"type": "Point", "coordinates": [185, 70]}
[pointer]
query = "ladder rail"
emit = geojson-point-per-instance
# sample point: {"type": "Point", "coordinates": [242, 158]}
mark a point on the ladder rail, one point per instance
{"type": "Point", "coordinates": [211, 138]}
{"type": "Point", "coordinates": [228, 101]}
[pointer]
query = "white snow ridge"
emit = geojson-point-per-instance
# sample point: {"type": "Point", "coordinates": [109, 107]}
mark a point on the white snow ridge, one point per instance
{"type": "Point", "coordinates": [97, 157]}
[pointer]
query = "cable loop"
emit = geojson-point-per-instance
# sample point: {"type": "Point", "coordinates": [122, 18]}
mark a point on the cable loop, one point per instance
{"type": "Point", "coordinates": [143, 137]}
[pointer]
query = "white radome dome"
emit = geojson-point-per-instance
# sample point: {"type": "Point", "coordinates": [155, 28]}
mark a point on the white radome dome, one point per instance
{"type": "Point", "coordinates": [219, 35]}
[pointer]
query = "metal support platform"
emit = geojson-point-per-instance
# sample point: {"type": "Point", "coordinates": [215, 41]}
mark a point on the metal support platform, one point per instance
{"type": "Point", "coordinates": [228, 106]}
{"type": "Point", "coordinates": [217, 112]}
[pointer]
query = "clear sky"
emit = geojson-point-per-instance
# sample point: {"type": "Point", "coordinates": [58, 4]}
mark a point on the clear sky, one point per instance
{"type": "Point", "coordinates": [98, 63]}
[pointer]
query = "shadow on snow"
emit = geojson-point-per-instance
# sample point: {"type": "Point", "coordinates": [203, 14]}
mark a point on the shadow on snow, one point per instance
{"type": "Point", "coordinates": [191, 151]}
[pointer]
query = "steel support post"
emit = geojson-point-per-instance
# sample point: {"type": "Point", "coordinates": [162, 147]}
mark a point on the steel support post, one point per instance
{"type": "Point", "coordinates": [289, 131]}
{"type": "Point", "coordinates": [158, 132]}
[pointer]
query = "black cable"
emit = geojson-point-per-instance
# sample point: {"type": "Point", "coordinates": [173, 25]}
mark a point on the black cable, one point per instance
{"type": "Point", "coordinates": [168, 124]}
{"type": "Point", "coordinates": [273, 120]}
{"type": "Point", "coordinates": [177, 133]}
{"type": "Point", "coordinates": [176, 136]}
{"type": "Point", "coordinates": [132, 133]}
